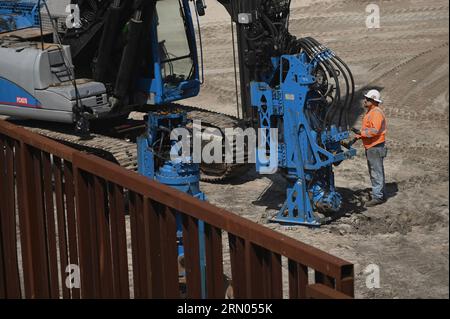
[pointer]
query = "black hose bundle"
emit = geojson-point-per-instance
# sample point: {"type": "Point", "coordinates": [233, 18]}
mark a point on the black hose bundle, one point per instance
{"type": "Point", "coordinates": [332, 108]}
{"type": "Point", "coordinates": [338, 76]}
{"type": "Point", "coordinates": [349, 83]}
{"type": "Point", "coordinates": [112, 27]}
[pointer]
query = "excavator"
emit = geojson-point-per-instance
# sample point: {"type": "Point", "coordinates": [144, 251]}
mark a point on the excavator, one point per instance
{"type": "Point", "coordinates": [113, 57]}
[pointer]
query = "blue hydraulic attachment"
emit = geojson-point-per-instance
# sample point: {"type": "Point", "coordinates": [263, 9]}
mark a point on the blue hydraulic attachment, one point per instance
{"type": "Point", "coordinates": [16, 15]}
{"type": "Point", "coordinates": [306, 154]}
{"type": "Point", "coordinates": [155, 148]}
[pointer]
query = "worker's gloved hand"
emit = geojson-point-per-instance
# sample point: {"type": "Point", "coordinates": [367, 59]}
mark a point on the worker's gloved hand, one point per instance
{"type": "Point", "coordinates": [348, 144]}
{"type": "Point", "coordinates": [356, 131]}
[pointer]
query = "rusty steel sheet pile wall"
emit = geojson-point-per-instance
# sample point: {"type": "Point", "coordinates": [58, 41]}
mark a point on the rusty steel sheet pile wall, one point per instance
{"type": "Point", "coordinates": [59, 206]}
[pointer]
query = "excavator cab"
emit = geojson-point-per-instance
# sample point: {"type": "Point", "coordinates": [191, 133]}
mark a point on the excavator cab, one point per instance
{"type": "Point", "coordinates": [125, 54]}
{"type": "Point", "coordinates": [175, 64]}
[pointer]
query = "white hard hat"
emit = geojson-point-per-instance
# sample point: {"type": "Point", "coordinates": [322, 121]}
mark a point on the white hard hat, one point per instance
{"type": "Point", "coordinates": [374, 95]}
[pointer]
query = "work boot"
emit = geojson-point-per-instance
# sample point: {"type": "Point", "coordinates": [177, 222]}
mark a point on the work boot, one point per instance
{"type": "Point", "coordinates": [374, 202]}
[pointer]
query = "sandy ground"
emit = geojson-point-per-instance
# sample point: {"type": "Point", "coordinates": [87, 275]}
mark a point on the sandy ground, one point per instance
{"type": "Point", "coordinates": [407, 59]}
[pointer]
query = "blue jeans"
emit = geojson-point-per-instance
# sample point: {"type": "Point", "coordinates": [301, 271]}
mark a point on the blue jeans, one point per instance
{"type": "Point", "coordinates": [375, 157]}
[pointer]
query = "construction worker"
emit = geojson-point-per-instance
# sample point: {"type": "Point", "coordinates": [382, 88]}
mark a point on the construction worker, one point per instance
{"type": "Point", "coordinates": [373, 136]}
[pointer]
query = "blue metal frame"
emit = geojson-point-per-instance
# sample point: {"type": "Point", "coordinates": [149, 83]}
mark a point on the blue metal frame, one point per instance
{"type": "Point", "coordinates": [309, 166]}
{"type": "Point", "coordinates": [183, 175]}
{"type": "Point", "coordinates": [18, 15]}
{"type": "Point", "coordinates": [156, 87]}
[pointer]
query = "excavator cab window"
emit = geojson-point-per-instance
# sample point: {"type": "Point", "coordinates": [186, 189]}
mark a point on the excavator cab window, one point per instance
{"type": "Point", "coordinates": [175, 67]}
{"type": "Point", "coordinates": [175, 54]}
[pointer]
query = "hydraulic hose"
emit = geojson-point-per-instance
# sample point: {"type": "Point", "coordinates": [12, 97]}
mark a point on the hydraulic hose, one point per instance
{"type": "Point", "coordinates": [331, 112]}
{"type": "Point", "coordinates": [347, 94]}
{"type": "Point", "coordinates": [303, 46]}
{"type": "Point", "coordinates": [352, 95]}
{"type": "Point", "coordinates": [338, 105]}
{"type": "Point", "coordinates": [110, 32]}
{"type": "Point", "coordinates": [350, 87]}
{"type": "Point", "coordinates": [129, 56]}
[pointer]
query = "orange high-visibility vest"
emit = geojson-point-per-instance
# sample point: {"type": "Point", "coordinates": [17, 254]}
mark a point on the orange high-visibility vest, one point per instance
{"type": "Point", "coordinates": [373, 130]}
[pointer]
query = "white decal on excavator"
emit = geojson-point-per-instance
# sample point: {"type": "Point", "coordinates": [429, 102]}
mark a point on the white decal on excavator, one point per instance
{"type": "Point", "coordinates": [21, 100]}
